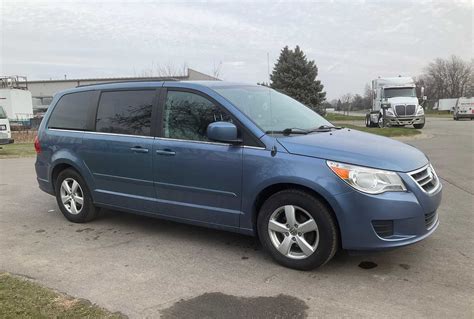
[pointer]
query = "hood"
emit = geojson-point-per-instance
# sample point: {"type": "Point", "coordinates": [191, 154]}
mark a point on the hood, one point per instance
{"type": "Point", "coordinates": [358, 148]}
{"type": "Point", "coordinates": [409, 100]}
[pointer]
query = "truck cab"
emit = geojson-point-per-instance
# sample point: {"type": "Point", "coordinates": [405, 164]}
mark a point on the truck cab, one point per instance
{"type": "Point", "coordinates": [395, 103]}
{"type": "Point", "coordinates": [5, 131]}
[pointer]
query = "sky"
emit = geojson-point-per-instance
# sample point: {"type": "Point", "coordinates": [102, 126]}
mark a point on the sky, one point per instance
{"type": "Point", "coordinates": [352, 42]}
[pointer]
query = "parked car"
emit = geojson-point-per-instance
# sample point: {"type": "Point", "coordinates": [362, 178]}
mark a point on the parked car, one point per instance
{"type": "Point", "coordinates": [242, 158]}
{"type": "Point", "coordinates": [5, 130]}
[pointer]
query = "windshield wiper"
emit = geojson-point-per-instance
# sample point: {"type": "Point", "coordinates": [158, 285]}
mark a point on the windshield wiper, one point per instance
{"type": "Point", "coordinates": [288, 131]}
{"type": "Point", "coordinates": [325, 128]}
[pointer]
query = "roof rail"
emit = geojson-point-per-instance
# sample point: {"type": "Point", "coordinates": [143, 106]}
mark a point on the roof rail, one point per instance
{"type": "Point", "coordinates": [128, 81]}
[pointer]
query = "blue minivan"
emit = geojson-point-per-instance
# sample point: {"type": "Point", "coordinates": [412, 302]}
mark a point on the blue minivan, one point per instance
{"type": "Point", "coordinates": [237, 157]}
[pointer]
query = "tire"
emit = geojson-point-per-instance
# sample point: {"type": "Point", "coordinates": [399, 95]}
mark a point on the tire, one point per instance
{"type": "Point", "coordinates": [419, 126]}
{"type": "Point", "coordinates": [320, 241]}
{"type": "Point", "coordinates": [367, 121]}
{"type": "Point", "coordinates": [71, 208]}
{"type": "Point", "coordinates": [380, 122]}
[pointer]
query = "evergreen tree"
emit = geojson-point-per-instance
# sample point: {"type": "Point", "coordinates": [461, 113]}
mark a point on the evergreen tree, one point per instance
{"type": "Point", "coordinates": [295, 76]}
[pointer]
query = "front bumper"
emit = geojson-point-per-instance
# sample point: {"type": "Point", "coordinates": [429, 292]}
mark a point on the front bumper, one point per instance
{"type": "Point", "coordinates": [388, 220]}
{"type": "Point", "coordinates": [407, 120]}
{"type": "Point", "coordinates": [4, 141]}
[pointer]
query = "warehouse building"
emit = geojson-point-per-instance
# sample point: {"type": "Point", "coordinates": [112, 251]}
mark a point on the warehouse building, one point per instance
{"type": "Point", "coordinates": [42, 91]}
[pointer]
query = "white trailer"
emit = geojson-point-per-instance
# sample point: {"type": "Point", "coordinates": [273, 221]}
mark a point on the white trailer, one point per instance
{"type": "Point", "coordinates": [17, 103]}
{"type": "Point", "coordinates": [446, 104]}
{"type": "Point", "coordinates": [394, 103]}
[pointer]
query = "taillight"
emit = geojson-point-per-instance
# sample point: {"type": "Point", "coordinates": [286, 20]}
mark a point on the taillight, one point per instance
{"type": "Point", "coordinates": [37, 145]}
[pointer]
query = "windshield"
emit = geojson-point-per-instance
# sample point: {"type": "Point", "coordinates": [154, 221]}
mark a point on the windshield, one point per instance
{"type": "Point", "coordinates": [271, 110]}
{"type": "Point", "coordinates": [3, 115]}
{"type": "Point", "coordinates": [395, 92]}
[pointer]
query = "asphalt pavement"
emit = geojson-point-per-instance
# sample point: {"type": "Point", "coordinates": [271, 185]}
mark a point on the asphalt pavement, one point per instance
{"type": "Point", "coordinates": [146, 267]}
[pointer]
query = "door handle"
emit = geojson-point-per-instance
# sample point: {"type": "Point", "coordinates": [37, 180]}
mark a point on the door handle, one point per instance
{"type": "Point", "coordinates": [166, 152]}
{"type": "Point", "coordinates": [139, 149]}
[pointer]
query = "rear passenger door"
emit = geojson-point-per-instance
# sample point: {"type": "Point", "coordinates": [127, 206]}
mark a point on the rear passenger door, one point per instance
{"type": "Point", "coordinates": [195, 178]}
{"type": "Point", "coordinates": [119, 152]}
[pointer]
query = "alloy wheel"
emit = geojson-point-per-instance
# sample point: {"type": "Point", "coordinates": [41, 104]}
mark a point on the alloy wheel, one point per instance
{"type": "Point", "coordinates": [293, 232]}
{"type": "Point", "coordinates": [72, 196]}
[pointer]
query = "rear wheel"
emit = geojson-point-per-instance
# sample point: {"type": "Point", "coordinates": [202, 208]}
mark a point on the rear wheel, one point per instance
{"type": "Point", "coordinates": [297, 230]}
{"type": "Point", "coordinates": [73, 197]}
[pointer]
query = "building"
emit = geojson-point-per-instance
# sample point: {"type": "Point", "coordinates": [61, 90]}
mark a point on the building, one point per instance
{"type": "Point", "coordinates": [42, 91]}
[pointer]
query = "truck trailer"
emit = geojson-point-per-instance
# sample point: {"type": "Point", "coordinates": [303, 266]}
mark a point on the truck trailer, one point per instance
{"type": "Point", "coordinates": [15, 99]}
{"type": "Point", "coordinates": [394, 103]}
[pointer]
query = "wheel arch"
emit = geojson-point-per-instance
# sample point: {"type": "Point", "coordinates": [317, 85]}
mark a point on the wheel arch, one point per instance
{"type": "Point", "coordinates": [269, 190]}
{"type": "Point", "coordinates": [60, 165]}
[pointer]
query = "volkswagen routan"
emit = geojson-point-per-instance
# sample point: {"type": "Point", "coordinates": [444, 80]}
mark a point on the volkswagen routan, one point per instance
{"type": "Point", "coordinates": [235, 157]}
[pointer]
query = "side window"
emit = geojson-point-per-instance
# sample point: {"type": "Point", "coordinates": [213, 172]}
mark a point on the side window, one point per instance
{"type": "Point", "coordinates": [73, 111]}
{"type": "Point", "coordinates": [125, 112]}
{"type": "Point", "coordinates": [187, 115]}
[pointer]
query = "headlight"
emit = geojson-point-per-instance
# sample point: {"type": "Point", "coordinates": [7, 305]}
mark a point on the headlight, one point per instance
{"type": "Point", "coordinates": [368, 180]}
{"type": "Point", "coordinates": [420, 111]}
{"type": "Point", "coordinates": [389, 112]}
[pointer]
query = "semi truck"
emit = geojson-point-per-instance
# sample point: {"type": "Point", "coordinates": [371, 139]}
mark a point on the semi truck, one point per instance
{"type": "Point", "coordinates": [394, 103]}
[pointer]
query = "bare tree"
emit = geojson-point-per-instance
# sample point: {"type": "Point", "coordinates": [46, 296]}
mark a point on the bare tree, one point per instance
{"type": "Point", "coordinates": [217, 69]}
{"type": "Point", "coordinates": [165, 70]}
{"type": "Point", "coordinates": [346, 100]}
{"type": "Point", "coordinates": [448, 78]}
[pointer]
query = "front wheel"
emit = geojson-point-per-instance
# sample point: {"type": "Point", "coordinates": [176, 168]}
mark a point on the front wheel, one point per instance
{"type": "Point", "coordinates": [380, 122]}
{"type": "Point", "coordinates": [297, 230]}
{"type": "Point", "coordinates": [419, 126]}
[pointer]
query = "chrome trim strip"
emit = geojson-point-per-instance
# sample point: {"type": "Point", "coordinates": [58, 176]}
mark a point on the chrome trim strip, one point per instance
{"type": "Point", "coordinates": [64, 130]}
{"type": "Point", "coordinates": [157, 138]}
{"type": "Point", "coordinates": [254, 147]}
{"type": "Point", "coordinates": [99, 133]}
{"type": "Point", "coordinates": [192, 141]}
{"type": "Point", "coordinates": [118, 134]}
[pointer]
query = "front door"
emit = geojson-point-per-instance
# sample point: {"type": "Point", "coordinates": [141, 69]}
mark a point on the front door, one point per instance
{"type": "Point", "coordinates": [119, 153]}
{"type": "Point", "coordinates": [196, 179]}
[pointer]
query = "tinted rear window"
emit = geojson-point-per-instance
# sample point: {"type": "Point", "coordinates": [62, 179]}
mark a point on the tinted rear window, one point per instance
{"type": "Point", "coordinates": [125, 112]}
{"type": "Point", "coordinates": [73, 111]}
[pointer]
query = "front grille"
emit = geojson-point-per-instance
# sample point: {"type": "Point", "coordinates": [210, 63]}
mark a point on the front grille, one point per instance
{"type": "Point", "coordinates": [430, 219]}
{"type": "Point", "coordinates": [426, 179]}
{"type": "Point", "coordinates": [405, 110]}
{"type": "Point", "coordinates": [383, 228]}
{"type": "Point", "coordinates": [410, 109]}
{"type": "Point", "coordinates": [400, 109]}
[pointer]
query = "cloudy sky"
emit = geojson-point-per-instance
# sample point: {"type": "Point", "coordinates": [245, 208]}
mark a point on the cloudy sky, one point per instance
{"type": "Point", "coordinates": [351, 42]}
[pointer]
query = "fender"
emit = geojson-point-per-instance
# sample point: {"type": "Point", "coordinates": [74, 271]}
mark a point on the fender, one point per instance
{"type": "Point", "coordinates": [64, 156]}
{"type": "Point", "coordinates": [248, 207]}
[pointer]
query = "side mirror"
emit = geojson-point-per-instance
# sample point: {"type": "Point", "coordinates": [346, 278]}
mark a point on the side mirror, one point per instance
{"type": "Point", "coordinates": [225, 132]}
